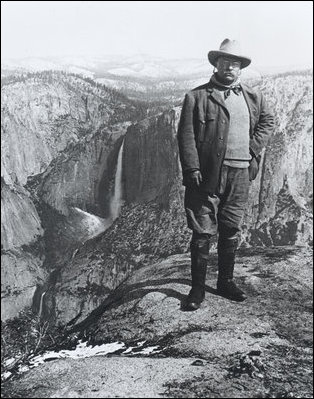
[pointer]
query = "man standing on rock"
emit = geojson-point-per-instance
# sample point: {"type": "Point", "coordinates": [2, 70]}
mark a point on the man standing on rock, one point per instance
{"type": "Point", "coordinates": [223, 128]}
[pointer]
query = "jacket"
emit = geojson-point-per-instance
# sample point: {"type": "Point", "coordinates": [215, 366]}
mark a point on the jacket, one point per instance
{"type": "Point", "coordinates": [203, 131]}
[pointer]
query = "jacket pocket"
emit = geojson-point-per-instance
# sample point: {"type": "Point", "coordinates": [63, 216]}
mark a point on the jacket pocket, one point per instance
{"type": "Point", "coordinates": [205, 129]}
{"type": "Point", "coordinates": [201, 130]}
{"type": "Point", "coordinates": [210, 127]}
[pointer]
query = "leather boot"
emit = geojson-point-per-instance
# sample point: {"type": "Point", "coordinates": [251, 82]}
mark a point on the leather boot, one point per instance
{"type": "Point", "coordinates": [199, 259]}
{"type": "Point", "coordinates": [226, 260]}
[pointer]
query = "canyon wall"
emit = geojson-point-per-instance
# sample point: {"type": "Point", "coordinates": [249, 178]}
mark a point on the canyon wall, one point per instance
{"type": "Point", "coordinates": [57, 131]}
{"type": "Point", "coordinates": [281, 208]}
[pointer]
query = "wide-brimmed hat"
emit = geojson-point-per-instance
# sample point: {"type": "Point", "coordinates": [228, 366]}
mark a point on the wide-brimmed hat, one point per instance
{"type": "Point", "coordinates": [229, 48]}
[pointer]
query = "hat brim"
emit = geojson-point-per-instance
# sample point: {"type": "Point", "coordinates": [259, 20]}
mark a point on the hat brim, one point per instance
{"type": "Point", "coordinates": [213, 55]}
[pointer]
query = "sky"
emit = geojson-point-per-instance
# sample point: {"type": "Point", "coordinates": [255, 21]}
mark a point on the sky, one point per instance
{"type": "Point", "coordinates": [271, 33]}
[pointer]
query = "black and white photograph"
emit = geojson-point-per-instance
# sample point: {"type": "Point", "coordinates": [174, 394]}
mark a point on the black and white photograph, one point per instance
{"type": "Point", "coordinates": [156, 199]}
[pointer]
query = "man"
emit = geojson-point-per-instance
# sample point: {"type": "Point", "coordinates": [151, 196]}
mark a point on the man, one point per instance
{"type": "Point", "coordinates": [223, 128]}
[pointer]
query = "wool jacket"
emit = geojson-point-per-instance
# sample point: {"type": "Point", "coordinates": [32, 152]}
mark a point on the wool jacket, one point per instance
{"type": "Point", "coordinates": [203, 132]}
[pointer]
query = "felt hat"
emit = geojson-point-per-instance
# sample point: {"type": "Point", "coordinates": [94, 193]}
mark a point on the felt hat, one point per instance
{"type": "Point", "coordinates": [229, 48]}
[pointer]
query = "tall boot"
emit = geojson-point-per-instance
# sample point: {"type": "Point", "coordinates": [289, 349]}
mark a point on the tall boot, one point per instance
{"type": "Point", "coordinates": [226, 259]}
{"type": "Point", "coordinates": [199, 259]}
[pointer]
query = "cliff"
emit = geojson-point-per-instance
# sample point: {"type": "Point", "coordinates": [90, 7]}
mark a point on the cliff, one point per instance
{"type": "Point", "coordinates": [281, 208]}
{"type": "Point", "coordinates": [151, 158]}
{"type": "Point", "coordinates": [43, 113]}
{"type": "Point", "coordinates": [21, 249]}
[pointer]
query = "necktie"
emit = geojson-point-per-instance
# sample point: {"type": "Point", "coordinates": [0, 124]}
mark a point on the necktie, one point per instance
{"type": "Point", "coordinates": [235, 89]}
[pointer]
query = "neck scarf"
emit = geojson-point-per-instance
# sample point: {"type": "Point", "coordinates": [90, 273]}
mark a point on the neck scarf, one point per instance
{"type": "Point", "coordinates": [235, 86]}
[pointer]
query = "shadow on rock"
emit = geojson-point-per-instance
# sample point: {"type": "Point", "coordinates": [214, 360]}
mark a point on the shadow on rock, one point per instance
{"type": "Point", "coordinates": [129, 293]}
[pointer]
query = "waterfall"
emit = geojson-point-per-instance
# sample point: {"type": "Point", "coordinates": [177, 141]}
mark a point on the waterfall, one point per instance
{"type": "Point", "coordinates": [86, 225]}
{"type": "Point", "coordinates": [41, 304]}
{"type": "Point", "coordinates": [116, 199]}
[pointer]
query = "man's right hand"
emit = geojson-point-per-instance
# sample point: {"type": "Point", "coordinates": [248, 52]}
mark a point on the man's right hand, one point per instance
{"type": "Point", "coordinates": [253, 169]}
{"type": "Point", "coordinates": [194, 178]}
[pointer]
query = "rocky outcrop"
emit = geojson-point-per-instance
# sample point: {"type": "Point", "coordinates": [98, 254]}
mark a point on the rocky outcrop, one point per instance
{"type": "Point", "coordinates": [261, 347]}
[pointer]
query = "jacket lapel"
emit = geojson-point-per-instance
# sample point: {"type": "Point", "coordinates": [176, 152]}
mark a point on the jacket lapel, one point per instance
{"type": "Point", "coordinates": [217, 96]}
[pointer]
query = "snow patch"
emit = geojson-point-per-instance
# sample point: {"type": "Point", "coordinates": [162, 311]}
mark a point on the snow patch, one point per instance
{"type": "Point", "coordinates": [82, 350]}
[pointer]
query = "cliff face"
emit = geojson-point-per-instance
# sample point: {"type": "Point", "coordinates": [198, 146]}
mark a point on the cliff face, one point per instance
{"type": "Point", "coordinates": [42, 115]}
{"type": "Point", "coordinates": [150, 158]}
{"type": "Point", "coordinates": [16, 206]}
{"type": "Point", "coordinates": [57, 133]}
{"type": "Point", "coordinates": [21, 250]}
{"type": "Point", "coordinates": [280, 211]}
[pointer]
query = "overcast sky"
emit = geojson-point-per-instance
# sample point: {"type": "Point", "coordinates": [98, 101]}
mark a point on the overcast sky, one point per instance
{"type": "Point", "coordinates": [272, 33]}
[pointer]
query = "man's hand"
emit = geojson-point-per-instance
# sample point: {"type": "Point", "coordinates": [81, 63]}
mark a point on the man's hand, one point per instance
{"type": "Point", "coordinates": [253, 169]}
{"type": "Point", "coordinates": [194, 178]}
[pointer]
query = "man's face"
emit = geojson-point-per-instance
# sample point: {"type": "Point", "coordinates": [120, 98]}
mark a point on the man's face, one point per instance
{"type": "Point", "coordinates": [228, 69]}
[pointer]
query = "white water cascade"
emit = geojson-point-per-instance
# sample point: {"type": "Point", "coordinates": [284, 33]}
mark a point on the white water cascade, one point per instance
{"type": "Point", "coordinates": [116, 199]}
{"type": "Point", "coordinates": [86, 225]}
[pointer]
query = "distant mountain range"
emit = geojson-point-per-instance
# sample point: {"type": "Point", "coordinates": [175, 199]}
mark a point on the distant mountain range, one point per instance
{"type": "Point", "coordinates": [137, 66]}
{"type": "Point", "coordinates": [140, 77]}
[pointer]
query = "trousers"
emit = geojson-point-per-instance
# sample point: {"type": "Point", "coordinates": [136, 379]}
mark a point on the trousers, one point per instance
{"type": "Point", "coordinates": [209, 214]}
